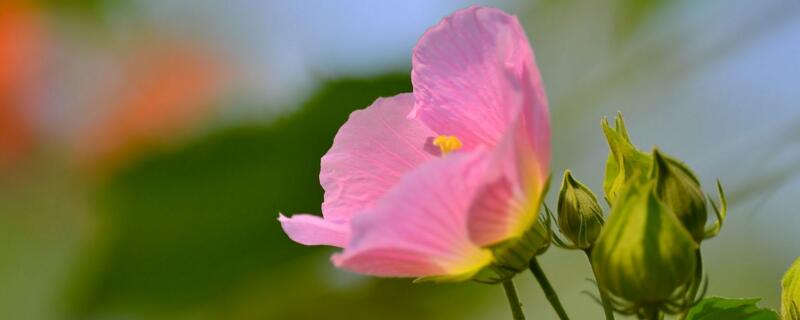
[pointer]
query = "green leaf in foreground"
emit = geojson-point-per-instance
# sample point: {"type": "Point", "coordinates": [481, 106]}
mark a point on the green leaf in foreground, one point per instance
{"type": "Point", "coordinates": [715, 308]}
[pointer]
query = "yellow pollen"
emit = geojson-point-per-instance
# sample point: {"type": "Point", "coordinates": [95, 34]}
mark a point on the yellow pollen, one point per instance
{"type": "Point", "coordinates": [447, 144]}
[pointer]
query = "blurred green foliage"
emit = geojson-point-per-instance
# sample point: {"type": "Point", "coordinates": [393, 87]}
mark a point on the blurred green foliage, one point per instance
{"type": "Point", "coordinates": [632, 14]}
{"type": "Point", "coordinates": [185, 229]}
{"type": "Point", "coordinates": [94, 9]}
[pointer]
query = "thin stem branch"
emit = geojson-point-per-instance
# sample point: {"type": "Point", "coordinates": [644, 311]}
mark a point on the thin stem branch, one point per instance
{"type": "Point", "coordinates": [609, 312]}
{"type": "Point", "coordinates": [513, 300]}
{"type": "Point", "coordinates": [549, 292]}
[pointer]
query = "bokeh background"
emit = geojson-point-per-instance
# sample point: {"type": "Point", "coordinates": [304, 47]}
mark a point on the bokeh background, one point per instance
{"type": "Point", "coordinates": [147, 146]}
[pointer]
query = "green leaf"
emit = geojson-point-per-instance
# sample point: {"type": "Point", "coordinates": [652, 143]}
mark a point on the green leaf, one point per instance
{"type": "Point", "coordinates": [715, 308]}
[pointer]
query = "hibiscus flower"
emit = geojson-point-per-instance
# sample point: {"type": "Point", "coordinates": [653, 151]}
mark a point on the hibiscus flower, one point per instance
{"type": "Point", "coordinates": [430, 183]}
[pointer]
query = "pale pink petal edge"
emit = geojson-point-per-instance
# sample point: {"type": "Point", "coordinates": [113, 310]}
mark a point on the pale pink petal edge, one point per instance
{"type": "Point", "coordinates": [312, 230]}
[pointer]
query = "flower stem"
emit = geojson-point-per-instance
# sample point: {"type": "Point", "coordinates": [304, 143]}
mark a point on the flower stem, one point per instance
{"type": "Point", "coordinates": [549, 293]}
{"type": "Point", "coordinates": [603, 298]}
{"type": "Point", "coordinates": [513, 300]}
{"type": "Point", "coordinates": [654, 314]}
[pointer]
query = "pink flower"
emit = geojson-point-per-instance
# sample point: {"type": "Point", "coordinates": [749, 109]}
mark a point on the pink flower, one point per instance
{"type": "Point", "coordinates": [420, 185]}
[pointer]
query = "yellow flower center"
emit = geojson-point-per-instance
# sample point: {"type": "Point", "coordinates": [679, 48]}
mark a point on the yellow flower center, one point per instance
{"type": "Point", "coordinates": [447, 144]}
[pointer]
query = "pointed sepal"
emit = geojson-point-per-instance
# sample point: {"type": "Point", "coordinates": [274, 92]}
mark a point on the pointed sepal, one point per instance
{"type": "Point", "coordinates": [624, 162]}
{"type": "Point", "coordinates": [720, 210]}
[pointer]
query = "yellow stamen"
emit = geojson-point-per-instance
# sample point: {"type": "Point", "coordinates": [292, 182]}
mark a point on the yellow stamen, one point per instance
{"type": "Point", "coordinates": [447, 144]}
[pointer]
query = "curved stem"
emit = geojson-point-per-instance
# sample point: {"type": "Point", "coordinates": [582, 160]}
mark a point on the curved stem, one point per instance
{"type": "Point", "coordinates": [513, 300]}
{"type": "Point", "coordinates": [609, 312]}
{"type": "Point", "coordinates": [549, 293]}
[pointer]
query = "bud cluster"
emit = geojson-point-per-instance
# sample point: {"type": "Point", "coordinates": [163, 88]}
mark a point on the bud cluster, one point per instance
{"type": "Point", "coordinates": [646, 256]}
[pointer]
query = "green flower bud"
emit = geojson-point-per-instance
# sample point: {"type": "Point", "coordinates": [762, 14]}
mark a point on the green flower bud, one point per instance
{"type": "Point", "coordinates": [542, 235]}
{"type": "Point", "coordinates": [679, 189]}
{"type": "Point", "coordinates": [625, 161]}
{"type": "Point", "coordinates": [644, 256]}
{"type": "Point", "coordinates": [514, 254]}
{"type": "Point", "coordinates": [580, 217]}
{"type": "Point", "coordinates": [790, 299]}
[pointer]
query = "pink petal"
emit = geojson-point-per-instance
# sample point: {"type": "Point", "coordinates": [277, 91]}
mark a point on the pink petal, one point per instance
{"type": "Point", "coordinates": [498, 212]}
{"type": "Point", "coordinates": [508, 204]}
{"type": "Point", "coordinates": [464, 71]}
{"type": "Point", "coordinates": [312, 230]}
{"type": "Point", "coordinates": [532, 142]}
{"type": "Point", "coordinates": [389, 262]}
{"type": "Point", "coordinates": [370, 153]}
{"type": "Point", "coordinates": [419, 228]}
